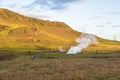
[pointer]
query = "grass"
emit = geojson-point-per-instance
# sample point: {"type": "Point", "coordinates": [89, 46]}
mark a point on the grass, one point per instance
{"type": "Point", "coordinates": [53, 65]}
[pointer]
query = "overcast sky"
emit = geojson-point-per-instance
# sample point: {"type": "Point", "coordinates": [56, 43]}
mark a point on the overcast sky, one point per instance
{"type": "Point", "coordinates": [99, 17]}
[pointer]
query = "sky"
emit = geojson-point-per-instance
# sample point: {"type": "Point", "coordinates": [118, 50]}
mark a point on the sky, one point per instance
{"type": "Point", "coordinates": [99, 17]}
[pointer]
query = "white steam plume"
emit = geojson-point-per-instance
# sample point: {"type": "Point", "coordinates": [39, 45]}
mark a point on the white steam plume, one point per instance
{"type": "Point", "coordinates": [83, 42]}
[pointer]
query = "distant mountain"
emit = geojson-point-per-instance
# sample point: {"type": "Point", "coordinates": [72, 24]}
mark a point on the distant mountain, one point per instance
{"type": "Point", "coordinates": [18, 31]}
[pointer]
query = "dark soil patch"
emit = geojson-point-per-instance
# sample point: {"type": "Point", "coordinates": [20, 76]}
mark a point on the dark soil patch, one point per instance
{"type": "Point", "coordinates": [4, 57]}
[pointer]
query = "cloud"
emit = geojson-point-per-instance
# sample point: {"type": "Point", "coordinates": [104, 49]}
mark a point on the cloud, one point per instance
{"type": "Point", "coordinates": [14, 3]}
{"type": "Point", "coordinates": [114, 13]}
{"type": "Point", "coordinates": [35, 14]}
{"type": "Point", "coordinates": [109, 23]}
{"type": "Point", "coordinates": [37, 8]}
{"type": "Point", "coordinates": [50, 4]}
{"type": "Point", "coordinates": [100, 25]}
{"type": "Point", "coordinates": [95, 18]}
{"type": "Point", "coordinates": [116, 26]}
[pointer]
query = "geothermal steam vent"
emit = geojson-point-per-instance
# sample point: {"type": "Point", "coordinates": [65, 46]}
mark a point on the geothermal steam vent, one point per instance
{"type": "Point", "coordinates": [83, 42]}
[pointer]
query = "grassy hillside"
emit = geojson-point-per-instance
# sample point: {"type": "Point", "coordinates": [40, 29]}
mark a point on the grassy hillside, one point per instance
{"type": "Point", "coordinates": [18, 31]}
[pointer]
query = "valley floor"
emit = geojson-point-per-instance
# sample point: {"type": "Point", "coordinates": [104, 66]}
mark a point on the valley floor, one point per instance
{"type": "Point", "coordinates": [59, 66]}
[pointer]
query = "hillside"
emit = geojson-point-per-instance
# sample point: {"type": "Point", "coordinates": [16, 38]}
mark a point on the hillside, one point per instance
{"type": "Point", "coordinates": [18, 31]}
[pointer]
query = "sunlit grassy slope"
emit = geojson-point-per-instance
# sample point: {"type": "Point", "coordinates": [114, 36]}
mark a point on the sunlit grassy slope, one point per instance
{"type": "Point", "coordinates": [18, 31]}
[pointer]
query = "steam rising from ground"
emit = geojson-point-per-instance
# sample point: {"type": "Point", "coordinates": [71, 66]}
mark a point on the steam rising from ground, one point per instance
{"type": "Point", "coordinates": [83, 42]}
